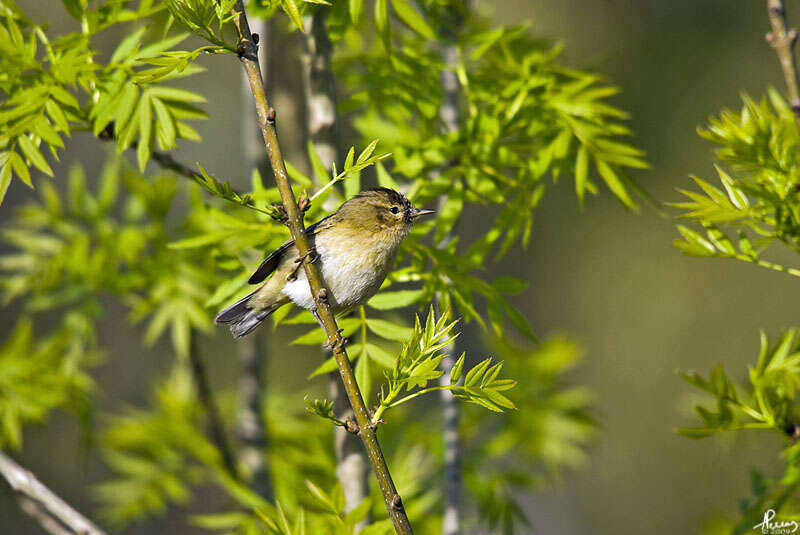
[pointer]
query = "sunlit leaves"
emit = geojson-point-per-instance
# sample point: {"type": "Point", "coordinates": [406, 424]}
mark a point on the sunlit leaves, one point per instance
{"type": "Point", "coordinates": [766, 402]}
{"type": "Point", "coordinates": [322, 408]}
{"type": "Point", "coordinates": [757, 201]}
{"type": "Point", "coordinates": [39, 374]}
{"type": "Point", "coordinates": [204, 18]}
{"type": "Point", "coordinates": [409, 15]}
{"type": "Point", "coordinates": [418, 362]}
{"type": "Point", "coordinates": [44, 86]}
{"type": "Point", "coordinates": [156, 454]}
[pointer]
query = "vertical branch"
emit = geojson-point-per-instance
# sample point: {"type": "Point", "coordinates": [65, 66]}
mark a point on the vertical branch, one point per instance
{"type": "Point", "coordinates": [52, 513]}
{"type": "Point", "coordinates": [206, 397]}
{"type": "Point", "coordinates": [319, 86]}
{"type": "Point", "coordinates": [783, 40]}
{"type": "Point", "coordinates": [251, 427]}
{"type": "Point", "coordinates": [323, 131]}
{"type": "Point", "coordinates": [450, 115]}
{"type": "Point", "coordinates": [294, 220]}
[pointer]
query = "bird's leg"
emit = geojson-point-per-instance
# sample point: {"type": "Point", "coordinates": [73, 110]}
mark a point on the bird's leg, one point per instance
{"type": "Point", "coordinates": [316, 317]}
{"type": "Point", "coordinates": [311, 255]}
{"type": "Point", "coordinates": [327, 345]}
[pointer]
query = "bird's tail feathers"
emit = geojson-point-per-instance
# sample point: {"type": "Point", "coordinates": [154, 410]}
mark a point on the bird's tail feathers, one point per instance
{"type": "Point", "coordinates": [242, 318]}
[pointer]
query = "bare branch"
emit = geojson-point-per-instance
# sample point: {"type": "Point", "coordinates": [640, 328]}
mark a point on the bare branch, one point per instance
{"type": "Point", "coordinates": [782, 40]}
{"type": "Point", "coordinates": [42, 504]}
{"type": "Point", "coordinates": [266, 115]}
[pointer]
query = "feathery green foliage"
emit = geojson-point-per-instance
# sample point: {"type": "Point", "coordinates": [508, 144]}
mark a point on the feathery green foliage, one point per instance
{"type": "Point", "coordinates": [755, 209]}
{"type": "Point", "coordinates": [528, 122]}
{"type": "Point", "coordinates": [758, 202]}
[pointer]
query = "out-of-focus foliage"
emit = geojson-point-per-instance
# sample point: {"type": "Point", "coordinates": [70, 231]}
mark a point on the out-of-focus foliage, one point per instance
{"type": "Point", "coordinates": [38, 375]}
{"type": "Point", "coordinates": [758, 204]}
{"type": "Point", "coordinates": [524, 449]}
{"type": "Point", "coordinates": [767, 402]}
{"type": "Point", "coordinates": [756, 207]}
{"type": "Point", "coordinates": [70, 254]}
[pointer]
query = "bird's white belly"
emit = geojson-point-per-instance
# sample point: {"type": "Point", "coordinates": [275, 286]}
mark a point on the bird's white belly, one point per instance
{"type": "Point", "coordinates": [351, 277]}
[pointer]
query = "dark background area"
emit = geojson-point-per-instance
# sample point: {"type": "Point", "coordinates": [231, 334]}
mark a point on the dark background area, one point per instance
{"type": "Point", "coordinates": [608, 278]}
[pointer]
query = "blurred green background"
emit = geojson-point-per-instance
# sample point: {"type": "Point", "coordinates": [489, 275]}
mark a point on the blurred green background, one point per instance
{"type": "Point", "coordinates": [609, 278]}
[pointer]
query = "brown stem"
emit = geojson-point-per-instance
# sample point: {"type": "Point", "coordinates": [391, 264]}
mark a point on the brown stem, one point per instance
{"type": "Point", "coordinates": [52, 513]}
{"type": "Point", "coordinates": [352, 465]}
{"type": "Point", "coordinates": [266, 117]}
{"type": "Point", "coordinates": [782, 40]}
{"type": "Point", "coordinates": [206, 397]}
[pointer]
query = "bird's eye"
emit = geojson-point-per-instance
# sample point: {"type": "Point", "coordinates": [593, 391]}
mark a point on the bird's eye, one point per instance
{"type": "Point", "coordinates": [394, 209]}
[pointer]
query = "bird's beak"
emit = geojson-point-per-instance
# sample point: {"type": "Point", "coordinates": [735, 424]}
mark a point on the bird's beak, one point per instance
{"type": "Point", "coordinates": [416, 212]}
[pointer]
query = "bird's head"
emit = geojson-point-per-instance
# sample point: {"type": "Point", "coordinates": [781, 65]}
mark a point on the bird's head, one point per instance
{"type": "Point", "coordinates": [380, 210]}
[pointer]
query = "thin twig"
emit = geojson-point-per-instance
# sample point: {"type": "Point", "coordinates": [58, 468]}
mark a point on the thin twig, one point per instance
{"type": "Point", "coordinates": [206, 397]}
{"type": "Point", "coordinates": [352, 466]}
{"type": "Point", "coordinates": [266, 115]}
{"type": "Point", "coordinates": [47, 507]}
{"type": "Point", "coordinates": [782, 40]}
{"type": "Point", "coordinates": [42, 517]}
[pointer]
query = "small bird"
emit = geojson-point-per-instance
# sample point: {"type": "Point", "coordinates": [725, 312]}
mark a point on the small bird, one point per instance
{"type": "Point", "coordinates": [355, 248]}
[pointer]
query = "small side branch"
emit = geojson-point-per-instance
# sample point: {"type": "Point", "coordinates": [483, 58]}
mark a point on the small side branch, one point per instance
{"type": "Point", "coordinates": [248, 54]}
{"type": "Point", "coordinates": [782, 40]}
{"type": "Point", "coordinates": [206, 397]}
{"type": "Point", "coordinates": [53, 514]}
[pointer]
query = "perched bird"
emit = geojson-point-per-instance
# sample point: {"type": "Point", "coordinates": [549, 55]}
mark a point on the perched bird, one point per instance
{"type": "Point", "coordinates": [355, 248]}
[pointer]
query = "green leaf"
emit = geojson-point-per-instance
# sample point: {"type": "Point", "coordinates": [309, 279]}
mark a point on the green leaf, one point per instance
{"type": "Point", "coordinates": [364, 376]}
{"type": "Point", "coordinates": [16, 162]}
{"type": "Point", "coordinates": [384, 178]}
{"type": "Point", "coordinates": [32, 153]}
{"type": "Point", "coordinates": [413, 19]}
{"type": "Point", "coordinates": [175, 93]}
{"type": "Point", "coordinates": [382, 23]}
{"type": "Point", "coordinates": [614, 183]}
{"type": "Point", "coordinates": [396, 299]}
{"type": "Point", "coordinates": [356, 8]}
{"type": "Point", "coordinates": [165, 125]}
{"type": "Point", "coordinates": [144, 118]}
{"type": "Point", "coordinates": [5, 180]}
{"type": "Point", "coordinates": [291, 9]}
{"type": "Point", "coordinates": [455, 371]}
{"type": "Point", "coordinates": [388, 330]}
{"type": "Point", "coordinates": [581, 172]}
{"type": "Point", "coordinates": [380, 355]}
{"type": "Point", "coordinates": [128, 45]}
{"type": "Point", "coordinates": [322, 498]}
{"type": "Point", "coordinates": [509, 285]}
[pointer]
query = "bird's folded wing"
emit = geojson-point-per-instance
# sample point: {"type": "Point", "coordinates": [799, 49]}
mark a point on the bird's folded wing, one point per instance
{"type": "Point", "coordinates": [271, 262]}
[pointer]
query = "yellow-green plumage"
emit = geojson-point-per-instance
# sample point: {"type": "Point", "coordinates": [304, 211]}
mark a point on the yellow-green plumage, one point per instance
{"type": "Point", "coordinates": [355, 249]}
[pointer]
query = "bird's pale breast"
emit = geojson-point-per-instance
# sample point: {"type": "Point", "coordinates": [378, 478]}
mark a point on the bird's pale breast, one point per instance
{"type": "Point", "coordinates": [353, 265]}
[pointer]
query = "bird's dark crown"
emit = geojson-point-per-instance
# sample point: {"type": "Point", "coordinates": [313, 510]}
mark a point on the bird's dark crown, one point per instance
{"type": "Point", "coordinates": [377, 208]}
